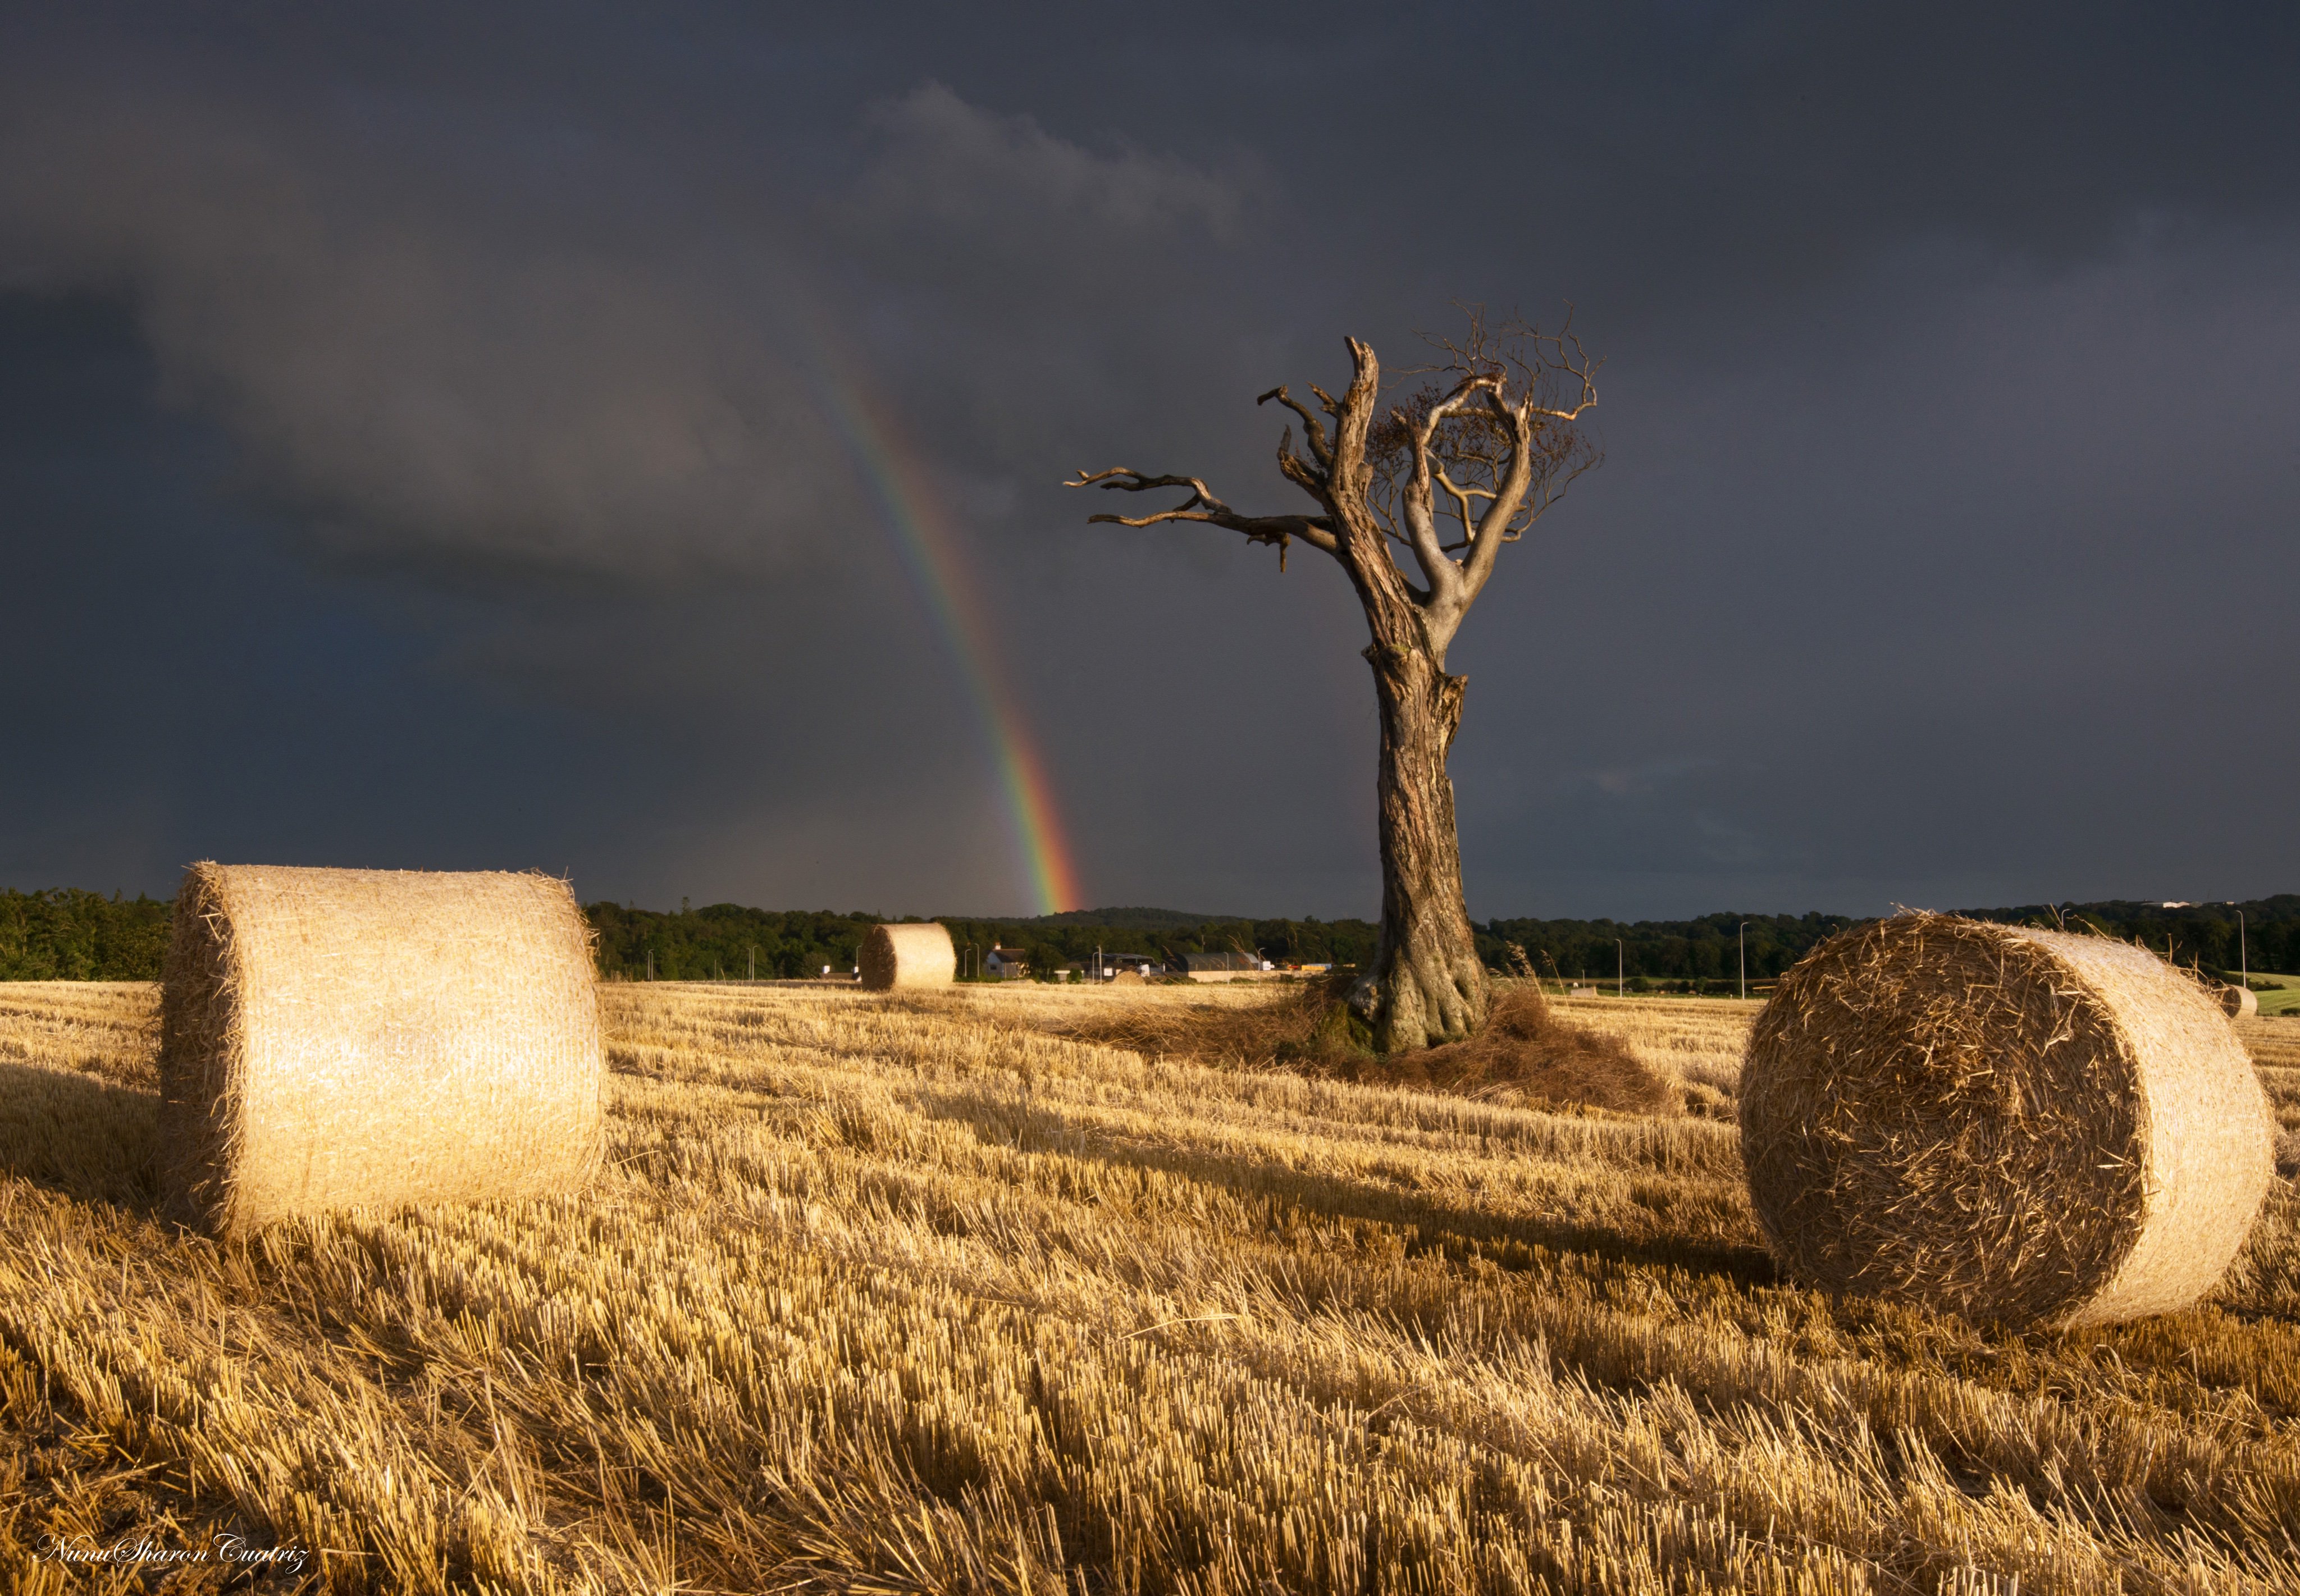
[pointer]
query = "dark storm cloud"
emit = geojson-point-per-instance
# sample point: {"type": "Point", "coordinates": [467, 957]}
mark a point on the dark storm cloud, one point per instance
{"type": "Point", "coordinates": [468, 448]}
{"type": "Point", "coordinates": [453, 370]}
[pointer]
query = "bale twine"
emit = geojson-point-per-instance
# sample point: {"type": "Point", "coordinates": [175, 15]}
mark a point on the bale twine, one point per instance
{"type": "Point", "coordinates": [2019, 1127]}
{"type": "Point", "coordinates": [332, 1038]}
{"type": "Point", "coordinates": [2237, 1001]}
{"type": "Point", "coordinates": [906, 956]}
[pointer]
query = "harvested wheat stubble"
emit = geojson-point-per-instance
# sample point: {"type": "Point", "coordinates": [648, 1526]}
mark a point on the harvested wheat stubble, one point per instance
{"type": "Point", "coordinates": [2021, 1127]}
{"type": "Point", "coordinates": [908, 956]}
{"type": "Point", "coordinates": [333, 1038]}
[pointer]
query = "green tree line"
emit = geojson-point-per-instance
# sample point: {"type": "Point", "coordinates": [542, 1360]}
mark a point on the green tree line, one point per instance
{"type": "Point", "coordinates": [725, 941]}
{"type": "Point", "coordinates": [67, 934]}
{"type": "Point", "coordinates": [721, 943]}
{"type": "Point", "coordinates": [1698, 955]}
{"type": "Point", "coordinates": [1055, 941]}
{"type": "Point", "coordinates": [1706, 951]}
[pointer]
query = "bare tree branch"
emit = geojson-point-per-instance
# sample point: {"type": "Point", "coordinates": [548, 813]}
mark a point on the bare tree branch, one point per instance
{"type": "Point", "coordinates": [1498, 433]}
{"type": "Point", "coordinates": [1428, 470]}
{"type": "Point", "coordinates": [1201, 505]}
{"type": "Point", "coordinates": [1299, 471]}
{"type": "Point", "coordinates": [1313, 430]}
{"type": "Point", "coordinates": [1460, 497]}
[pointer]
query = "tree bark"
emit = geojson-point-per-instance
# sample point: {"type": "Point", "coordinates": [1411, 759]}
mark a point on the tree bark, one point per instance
{"type": "Point", "coordinates": [1428, 985]}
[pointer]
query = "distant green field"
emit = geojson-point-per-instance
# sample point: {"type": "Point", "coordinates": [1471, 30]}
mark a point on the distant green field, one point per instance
{"type": "Point", "coordinates": [2283, 996]}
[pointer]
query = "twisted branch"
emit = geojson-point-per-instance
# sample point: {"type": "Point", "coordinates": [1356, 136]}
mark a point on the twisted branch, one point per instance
{"type": "Point", "coordinates": [1201, 505]}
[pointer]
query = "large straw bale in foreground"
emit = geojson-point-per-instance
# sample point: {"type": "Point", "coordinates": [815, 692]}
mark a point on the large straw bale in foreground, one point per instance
{"type": "Point", "coordinates": [340, 1037]}
{"type": "Point", "coordinates": [895, 956]}
{"type": "Point", "coordinates": [2019, 1127]}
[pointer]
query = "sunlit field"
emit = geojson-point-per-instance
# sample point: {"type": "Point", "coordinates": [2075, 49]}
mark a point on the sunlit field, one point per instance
{"type": "Point", "coordinates": [889, 1294]}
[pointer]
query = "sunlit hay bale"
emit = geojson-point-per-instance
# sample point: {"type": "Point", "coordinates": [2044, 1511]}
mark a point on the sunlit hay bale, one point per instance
{"type": "Point", "coordinates": [2237, 1001]}
{"type": "Point", "coordinates": [2019, 1127]}
{"type": "Point", "coordinates": [906, 956]}
{"type": "Point", "coordinates": [339, 1037]}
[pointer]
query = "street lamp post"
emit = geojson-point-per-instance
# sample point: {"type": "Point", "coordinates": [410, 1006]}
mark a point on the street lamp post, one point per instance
{"type": "Point", "coordinates": [1744, 936]}
{"type": "Point", "coordinates": [1620, 967]}
{"type": "Point", "coordinates": [2243, 960]}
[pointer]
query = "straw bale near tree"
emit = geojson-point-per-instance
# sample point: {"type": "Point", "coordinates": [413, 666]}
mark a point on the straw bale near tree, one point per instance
{"type": "Point", "coordinates": [341, 1038]}
{"type": "Point", "coordinates": [1414, 501]}
{"type": "Point", "coordinates": [2021, 1127]}
{"type": "Point", "coordinates": [900, 957]}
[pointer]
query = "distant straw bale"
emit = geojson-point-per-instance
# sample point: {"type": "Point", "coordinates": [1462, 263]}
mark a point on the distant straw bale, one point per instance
{"type": "Point", "coordinates": [2237, 1001]}
{"type": "Point", "coordinates": [332, 1038]}
{"type": "Point", "coordinates": [2019, 1127]}
{"type": "Point", "coordinates": [908, 956]}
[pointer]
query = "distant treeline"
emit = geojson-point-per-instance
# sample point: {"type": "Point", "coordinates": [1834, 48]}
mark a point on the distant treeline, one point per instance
{"type": "Point", "coordinates": [72, 936]}
{"type": "Point", "coordinates": [2204, 935]}
{"type": "Point", "coordinates": [1058, 939]}
{"type": "Point", "coordinates": [719, 943]}
{"type": "Point", "coordinates": [66, 935]}
{"type": "Point", "coordinates": [727, 942]}
{"type": "Point", "coordinates": [1707, 949]}
{"type": "Point", "coordinates": [1702, 954]}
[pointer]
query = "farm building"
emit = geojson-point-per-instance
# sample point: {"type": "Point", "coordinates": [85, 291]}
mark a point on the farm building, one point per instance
{"type": "Point", "coordinates": [1005, 964]}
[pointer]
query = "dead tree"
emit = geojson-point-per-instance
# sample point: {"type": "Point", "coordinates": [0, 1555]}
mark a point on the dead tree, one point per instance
{"type": "Point", "coordinates": [1460, 467]}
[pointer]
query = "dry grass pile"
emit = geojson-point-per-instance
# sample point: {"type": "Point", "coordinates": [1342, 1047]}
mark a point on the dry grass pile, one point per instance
{"type": "Point", "coordinates": [907, 957]}
{"type": "Point", "coordinates": [339, 1037]}
{"type": "Point", "coordinates": [2240, 1002]}
{"type": "Point", "coordinates": [2017, 1126]}
{"type": "Point", "coordinates": [909, 1295]}
{"type": "Point", "coordinates": [1528, 1054]}
{"type": "Point", "coordinates": [1296, 1027]}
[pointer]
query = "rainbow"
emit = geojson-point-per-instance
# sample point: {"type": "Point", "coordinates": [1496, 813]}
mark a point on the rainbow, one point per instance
{"type": "Point", "coordinates": [930, 550]}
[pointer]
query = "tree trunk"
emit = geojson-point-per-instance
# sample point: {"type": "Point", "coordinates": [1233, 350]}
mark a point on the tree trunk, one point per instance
{"type": "Point", "coordinates": [1427, 984]}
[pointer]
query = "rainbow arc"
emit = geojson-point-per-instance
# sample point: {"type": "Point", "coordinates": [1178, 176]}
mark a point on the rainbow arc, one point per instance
{"type": "Point", "coordinates": [929, 548]}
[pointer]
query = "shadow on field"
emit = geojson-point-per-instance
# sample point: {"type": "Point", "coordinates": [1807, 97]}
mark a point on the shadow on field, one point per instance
{"type": "Point", "coordinates": [80, 1134]}
{"type": "Point", "coordinates": [1457, 1231]}
{"type": "Point", "coordinates": [1525, 1053]}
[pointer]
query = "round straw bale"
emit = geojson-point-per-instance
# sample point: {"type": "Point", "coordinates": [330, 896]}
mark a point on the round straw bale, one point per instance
{"type": "Point", "coordinates": [332, 1038]}
{"type": "Point", "coordinates": [906, 956]}
{"type": "Point", "coordinates": [2019, 1127]}
{"type": "Point", "coordinates": [2237, 1001]}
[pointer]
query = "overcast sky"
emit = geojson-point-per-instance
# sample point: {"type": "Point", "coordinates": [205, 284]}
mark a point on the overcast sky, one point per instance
{"type": "Point", "coordinates": [428, 440]}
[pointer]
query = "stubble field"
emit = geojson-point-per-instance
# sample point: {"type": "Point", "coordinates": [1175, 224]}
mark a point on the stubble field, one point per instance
{"type": "Point", "coordinates": [918, 1294]}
